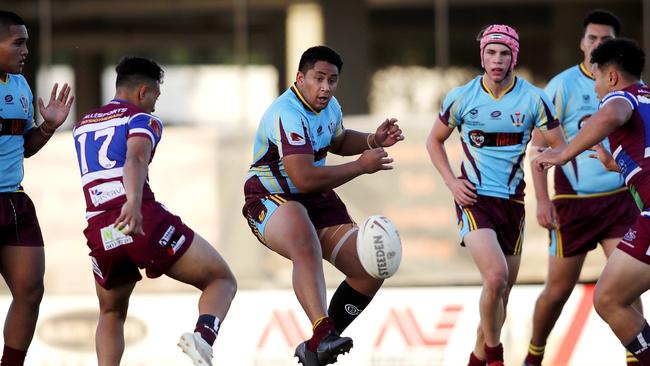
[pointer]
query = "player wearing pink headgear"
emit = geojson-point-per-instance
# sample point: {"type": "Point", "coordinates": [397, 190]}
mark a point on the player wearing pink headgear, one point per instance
{"type": "Point", "coordinates": [495, 114]}
{"type": "Point", "coordinates": [501, 34]}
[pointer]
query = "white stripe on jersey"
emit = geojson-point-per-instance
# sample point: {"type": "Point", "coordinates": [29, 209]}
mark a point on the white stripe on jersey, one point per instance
{"type": "Point", "coordinates": [145, 131]}
{"type": "Point", "coordinates": [631, 174]}
{"type": "Point", "coordinates": [618, 96]}
{"type": "Point", "coordinates": [617, 151]}
{"type": "Point", "coordinates": [102, 174]}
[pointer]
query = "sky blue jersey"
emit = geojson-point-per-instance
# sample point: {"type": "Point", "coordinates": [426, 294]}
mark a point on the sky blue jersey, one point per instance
{"type": "Point", "coordinates": [494, 132]}
{"type": "Point", "coordinates": [16, 118]}
{"type": "Point", "coordinates": [290, 126]}
{"type": "Point", "coordinates": [572, 93]}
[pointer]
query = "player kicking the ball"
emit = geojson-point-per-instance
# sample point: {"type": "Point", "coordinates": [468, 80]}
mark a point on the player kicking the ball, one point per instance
{"type": "Point", "coordinates": [128, 229]}
{"type": "Point", "coordinates": [291, 206]}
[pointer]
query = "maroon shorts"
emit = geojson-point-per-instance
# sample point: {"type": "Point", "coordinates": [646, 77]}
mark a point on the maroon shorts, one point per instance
{"type": "Point", "coordinates": [636, 242]}
{"type": "Point", "coordinates": [324, 209]}
{"type": "Point", "coordinates": [116, 257]}
{"type": "Point", "coordinates": [585, 222]}
{"type": "Point", "coordinates": [18, 221]}
{"type": "Point", "coordinates": [506, 217]}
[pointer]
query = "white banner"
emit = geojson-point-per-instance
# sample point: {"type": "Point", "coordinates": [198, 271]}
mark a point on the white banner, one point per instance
{"type": "Point", "coordinates": [401, 327]}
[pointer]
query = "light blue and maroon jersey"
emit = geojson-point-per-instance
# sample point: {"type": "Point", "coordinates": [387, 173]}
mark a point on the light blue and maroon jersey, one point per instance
{"type": "Point", "coordinates": [101, 141]}
{"type": "Point", "coordinates": [494, 132]}
{"type": "Point", "coordinates": [290, 126]}
{"type": "Point", "coordinates": [630, 143]}
{"type": "Point", "coordinates": [572, 93]}
{"type": "Point", "coordinates": [16, 118]}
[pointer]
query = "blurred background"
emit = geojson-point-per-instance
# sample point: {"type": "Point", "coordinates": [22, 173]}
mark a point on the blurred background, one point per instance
{"type": "Point", "coordinates": [225, 61]}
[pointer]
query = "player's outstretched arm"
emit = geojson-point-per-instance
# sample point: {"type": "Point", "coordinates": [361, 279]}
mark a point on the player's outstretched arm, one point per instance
{"type": "Point", "coordinates": [54, 114]}
{"type": "Point", "coordinates": [309, 178]}
{"type": "Point", "coordinates": [136, 167]}
{"type": "Point", "coordinates": [354, 142]}
{"type": "Point", "coordinates": [610, 116]}
{"type": "Point", "coordinates": [462, 189]}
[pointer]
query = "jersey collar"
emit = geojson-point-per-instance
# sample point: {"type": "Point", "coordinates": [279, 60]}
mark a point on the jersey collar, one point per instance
{"type": "Point", "coordinates": [302, 100]}
{"type": "Point", "coordinates": [508, 90]}
{"type": "Point", "coordinates": [586, 72]}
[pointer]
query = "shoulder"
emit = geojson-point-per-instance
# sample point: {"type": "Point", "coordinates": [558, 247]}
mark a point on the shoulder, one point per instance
{"type": "Point", "coordinates": [621, 94]}
{"type": "Point", "coordinates": [526, 87]}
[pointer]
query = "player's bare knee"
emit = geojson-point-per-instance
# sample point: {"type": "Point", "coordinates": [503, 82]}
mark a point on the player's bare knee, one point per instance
{"type": "Point", "coordinates": [306, 250]}
{"type": "Point", "coordinates": [604, 302]}
{"type": "Point", "coordinates": [496, 282]}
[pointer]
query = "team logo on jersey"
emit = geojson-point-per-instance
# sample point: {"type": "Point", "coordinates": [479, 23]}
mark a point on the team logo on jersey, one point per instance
{"type": "Point", "coordinates": [473, 113]}
{"type": "Point", "coordinates": [296, 139]}
{"type": "Point", "coordinates": [586, 98]}
{"type": "Point", "coordinates": [476, 138]}
{"type": "Point", "coordinates": [518, 119]}
{"type": "Point", "coordinates": [155, 126]}
{"type": "Point", "coordinates": [9, 99]}
{"type": "Point", "coordinates": [319, 131]}
{"type": "Point", "coordinates": [495, 114]}
{"type": "Point", "coordinates": [24, 103]}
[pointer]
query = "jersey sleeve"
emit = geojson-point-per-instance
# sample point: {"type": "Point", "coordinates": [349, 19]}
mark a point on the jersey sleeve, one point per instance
{"type": "Point", "coordinates": [620, 95]}
{"type": "Point", "coordinates": [450, 110]}
{"type": "Point", "coordinates": [146, 125]}
{"type": "Point", "coordinates": [543, 112]}
{"type": "Point", "coordinates": [291, 136]}
{"type": "Point", "coordinates": [556, 92]}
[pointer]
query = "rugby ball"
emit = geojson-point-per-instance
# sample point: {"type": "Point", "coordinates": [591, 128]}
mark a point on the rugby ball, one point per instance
{"type": "Point", "coordinates": [379, 247]}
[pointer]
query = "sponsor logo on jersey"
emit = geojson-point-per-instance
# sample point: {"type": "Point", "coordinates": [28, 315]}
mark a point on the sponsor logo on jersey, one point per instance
{"type": "Point", "coordinates": [105, 192]}
{"type": "Point", "coordinates": [473, 113]}
{"type": "Point", "coordinates": [476, 138]}
{"type": "Point", "coordinates": [630, 235]}
{"type": "Point", "coordinates": [296, 139]}
{"type": "Point", "coordinates": [113, 237]}
{"type": "Point", "coordinates": [319, 131]}
{"type": "Point", "coordinates": [586, 98]}
{"type": "Point", "coordinates": [518, 119]}
{"type": "Point", "coordinates": [155, 126]}
{"type": "Point", "coordinates": [173, 246]}
{"type": "Point", "coordinates": [9, 99]}
{"type": "Point", "coordinates": [167, 236]}
{"type": "Point", "coordinates": [495, 115]}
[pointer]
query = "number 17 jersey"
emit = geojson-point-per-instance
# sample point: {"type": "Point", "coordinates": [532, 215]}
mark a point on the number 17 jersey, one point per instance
{"type": "Point", "coordinates": [101, 143]}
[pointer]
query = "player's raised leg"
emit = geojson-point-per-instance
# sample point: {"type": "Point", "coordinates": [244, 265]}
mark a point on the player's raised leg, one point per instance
{"type": "Point", "coordinates": [202, 267]}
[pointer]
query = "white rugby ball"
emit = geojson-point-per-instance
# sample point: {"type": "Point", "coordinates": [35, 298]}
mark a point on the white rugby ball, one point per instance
{"type": "Point", "coordinates": [379, 247]}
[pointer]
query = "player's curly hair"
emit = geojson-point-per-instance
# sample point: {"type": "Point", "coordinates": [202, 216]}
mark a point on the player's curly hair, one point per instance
{"type": "Point", "coordinates": [134, 70]}
{"type": "Point", "coordinates": [622, 52]}
{"type": "Point", "coordinates": [319, 53]}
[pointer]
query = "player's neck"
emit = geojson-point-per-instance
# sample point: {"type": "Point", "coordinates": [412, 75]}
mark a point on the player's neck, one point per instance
{"type": "Point", "coordinates": [3, 77]}
{"type": "Point", "coordinates": [498, 87]}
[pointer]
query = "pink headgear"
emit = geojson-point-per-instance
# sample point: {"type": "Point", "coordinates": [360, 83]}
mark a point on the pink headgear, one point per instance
{"type": "Point", "coordinates": [502, 34]}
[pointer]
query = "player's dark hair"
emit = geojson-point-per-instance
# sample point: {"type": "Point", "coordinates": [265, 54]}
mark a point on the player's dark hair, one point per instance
{"type": "Point", "coordinates": [133, 71]}
{"type": "Point", "coordinates": [602, 17]}
{"type": "Point", "coordinates": [624, 53]}
{"type": "Point", "coordinates": [319, 53]}
{"type": "Point", "coordinates": [7, 19]}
